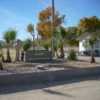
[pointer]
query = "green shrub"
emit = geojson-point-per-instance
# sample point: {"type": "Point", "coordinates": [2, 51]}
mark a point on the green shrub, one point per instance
{"type": "Point", "coordinates": [72, 55]}
{"type": "Point", "coordinates": [45, 44]}
{"type": "Point", "coordinates": [27, 44]}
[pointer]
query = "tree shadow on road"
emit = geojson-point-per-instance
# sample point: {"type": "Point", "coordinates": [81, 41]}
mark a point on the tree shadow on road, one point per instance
{"type": "Point", "coordinates": [31, 86]}
{"type": "Point", "coordinates": [53, 92]}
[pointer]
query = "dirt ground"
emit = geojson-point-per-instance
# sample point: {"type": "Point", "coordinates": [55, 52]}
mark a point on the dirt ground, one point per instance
{"type": "Point", "coordinates": [22, 67]}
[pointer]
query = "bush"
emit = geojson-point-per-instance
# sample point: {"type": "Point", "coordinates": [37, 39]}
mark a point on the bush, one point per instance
{"type": "Point", "coordinates": [72, 55]}
{"type": "Point", "coordinates": [45, 44]}
{"type": "Point", "coordinates": [26, 45]}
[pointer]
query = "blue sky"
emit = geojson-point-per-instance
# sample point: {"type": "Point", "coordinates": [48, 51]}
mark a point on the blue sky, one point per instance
{"type": "Point", "coordinates": [19, 13]}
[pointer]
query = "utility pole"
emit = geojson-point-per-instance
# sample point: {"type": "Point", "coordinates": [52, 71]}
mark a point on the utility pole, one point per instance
{"type": "Point", "coordinates": [53, 26]}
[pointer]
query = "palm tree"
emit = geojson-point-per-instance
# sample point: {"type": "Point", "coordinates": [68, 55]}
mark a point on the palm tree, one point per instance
{"type": "Point", "coordinates": [18, 46]}
{"type": "Point", "coordinates": [63, 35]}
{"type": "Point", "coordinates": [59, 37]}
{"type": "Point", "coordinates": [30, 28]}
{"type": "Point", "coordinates": [1, 65]}
{"type": "Point", "coordinates": [9, 37]}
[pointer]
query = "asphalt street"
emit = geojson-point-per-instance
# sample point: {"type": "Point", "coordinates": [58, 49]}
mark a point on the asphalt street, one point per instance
{"type": "Point", "coordinates": [75, 90]}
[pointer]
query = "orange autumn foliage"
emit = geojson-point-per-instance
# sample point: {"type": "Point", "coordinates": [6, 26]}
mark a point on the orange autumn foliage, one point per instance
{"type": "Point", "coordinates": [44, 26]}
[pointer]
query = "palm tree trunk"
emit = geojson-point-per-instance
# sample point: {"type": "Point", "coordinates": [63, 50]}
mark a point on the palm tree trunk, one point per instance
{"type": "Point", "coordinates": [17, 54]}
{"type": "Point", "coordinates": [8, 55]}
{"type": "Point", "coordinates": [62, 51]}
{"type": "Point", "coordinates": [56, 53]}
{"type": "Point", "coordinates": [1, 65]}
{"type": "Point", "coordinates": [3, 60]}
{"type": "Point", "coordinates": [92, 55]}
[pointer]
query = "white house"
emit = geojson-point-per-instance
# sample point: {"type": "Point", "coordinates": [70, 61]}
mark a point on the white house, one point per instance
{"type": "Point", "coordinates": [85, 49]}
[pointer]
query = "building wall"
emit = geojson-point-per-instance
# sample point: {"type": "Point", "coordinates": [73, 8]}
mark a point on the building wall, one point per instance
{"type": "Point", "coordinates": [82, 48]}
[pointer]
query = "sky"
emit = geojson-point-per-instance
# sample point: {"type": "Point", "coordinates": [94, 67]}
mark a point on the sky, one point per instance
{"type": "Point", "coordinates": [17, 14]}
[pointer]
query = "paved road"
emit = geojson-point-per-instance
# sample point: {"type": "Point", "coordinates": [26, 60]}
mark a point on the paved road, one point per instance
{"type": "Point", "coordinates": [79, 90]}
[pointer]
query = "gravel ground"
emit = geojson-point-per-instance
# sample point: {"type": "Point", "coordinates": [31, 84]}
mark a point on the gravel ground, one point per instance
{"type": "Point", "coordinates": [14, 68]}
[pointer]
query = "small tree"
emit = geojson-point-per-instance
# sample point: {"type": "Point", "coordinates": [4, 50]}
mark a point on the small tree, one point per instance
{"type": "Point", "coordinates": [72, 55]}
{"type": "Point", "coordinates": [71, 40]}
{"type": "Point", "coordinates": [90, 44]}
{"type": "Point", "coordinates": [92, 26]}
{"type": "Point", "coordinates": [9, 37]}
{"type": "Point", "coordinates": [26, 45]}
{"type": "Point", "coordinates": [58, 41]}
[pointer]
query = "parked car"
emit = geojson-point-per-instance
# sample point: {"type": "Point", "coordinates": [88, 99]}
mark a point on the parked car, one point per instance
{"type": "Point", "coordinates": [88, 53]}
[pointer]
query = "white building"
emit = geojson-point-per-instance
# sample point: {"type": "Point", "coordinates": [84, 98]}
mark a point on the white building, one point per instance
{"type": "Point", "coordinates": [85, 49]}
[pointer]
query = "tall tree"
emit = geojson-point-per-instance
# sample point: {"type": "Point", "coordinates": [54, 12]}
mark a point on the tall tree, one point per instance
{"type": "Point", "coordinates": [72, 42]}
{"type": "Point", "coordinates": [9, 37]}
{"type": "Point", "coordinates": [44, 26]}
{"type": "Point", "coordinates": [92, 26]}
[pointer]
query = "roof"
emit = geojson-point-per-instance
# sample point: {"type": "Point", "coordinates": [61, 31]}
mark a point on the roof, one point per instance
{"type": "Point", "coordinates": [85, 35]}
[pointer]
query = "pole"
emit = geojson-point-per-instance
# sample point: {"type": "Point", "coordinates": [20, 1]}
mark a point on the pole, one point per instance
{"type": "Point", "coordinates": [53, 26]}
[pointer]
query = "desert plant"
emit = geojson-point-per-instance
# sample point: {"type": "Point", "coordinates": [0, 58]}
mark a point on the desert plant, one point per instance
{"type": "Point", "coordinates": [9, 37]}
{"type": "Point", "coordinates": [72, 55]}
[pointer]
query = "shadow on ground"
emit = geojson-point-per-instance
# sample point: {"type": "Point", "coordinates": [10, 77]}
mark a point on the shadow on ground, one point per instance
{"type": "Point", "coordinates": [53, 92]}
{"type": "Point", "coordinates": [27, 87]}
{"type": "Point", "coordinates": [92, 73]}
